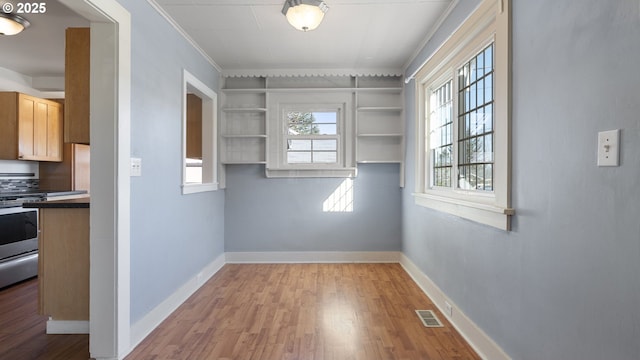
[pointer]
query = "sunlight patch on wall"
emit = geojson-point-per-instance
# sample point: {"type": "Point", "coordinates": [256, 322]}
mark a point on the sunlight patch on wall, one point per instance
{"type": "Point", "coordinates": [341, 200]}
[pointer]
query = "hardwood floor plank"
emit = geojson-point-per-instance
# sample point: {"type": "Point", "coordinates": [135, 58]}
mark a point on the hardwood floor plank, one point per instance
{"type": "Point", "coordinates": [22, 330]}
{"type": "Point", "coordinates": [304, 311]}
{"type": "Point", "coordinates": [265, 311]}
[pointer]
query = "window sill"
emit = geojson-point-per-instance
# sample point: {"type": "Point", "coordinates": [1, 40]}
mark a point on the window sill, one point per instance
{"type": "Point", "coordinates": [487, 214]}
{"type": "Point", "coordinates": [303, 173]}
{"type": "Point", "coordinates": [198, 188]}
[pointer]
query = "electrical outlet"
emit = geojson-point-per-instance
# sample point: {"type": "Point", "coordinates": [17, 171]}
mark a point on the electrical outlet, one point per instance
{"type": "Point", "coordinates": [448, 308]}
{"type": "Point", "coordinates": [136, 167]}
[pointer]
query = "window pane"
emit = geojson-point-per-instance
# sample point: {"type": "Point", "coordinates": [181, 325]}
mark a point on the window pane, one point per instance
{"type": "Point", "coordinates": [488, 118]}
{"type": "Point", "coordinates": [481, 92]}
{"type": "Point", "coordinates": [327, 129]}
{"type": "Point", "coordinates": [480, 64]}
{"type": "Point", "coordinates": [296, 157]}
{"type": "Point", "coordinates": [325, 145]}
{"type": "Point", "coordinates": [488, 88]}
{"type": "Point", "coordinates": [299, 144]}
{"type": "Point", "coordinates": [488, 177]}
{"type": "Point", "coordinates": [472, 70]}
{"type": "Point", "coordinates": [312, 123]}
{"type": "Point", "coordinates": [325, 157]}
{"type": "Point", "coordinates": [488, 148]}
{"type": "Point", "coordinates": [488, 57]}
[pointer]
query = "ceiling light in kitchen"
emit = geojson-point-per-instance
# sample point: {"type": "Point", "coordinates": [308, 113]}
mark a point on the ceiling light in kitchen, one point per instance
{"type": "Point", "coordinates": [11, 24]}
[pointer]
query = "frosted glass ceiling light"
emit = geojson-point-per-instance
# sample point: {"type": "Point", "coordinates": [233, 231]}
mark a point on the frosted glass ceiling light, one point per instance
{"type": "Point", "coordinates": [304, 15]}
{"type": "Point", "coordinates": [11, 24]}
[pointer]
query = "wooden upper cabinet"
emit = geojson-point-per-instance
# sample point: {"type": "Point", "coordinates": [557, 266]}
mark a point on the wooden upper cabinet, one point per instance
{"type": "Point", "coordinates": [73, 173]}
{"type": "Point", "coordinates": [30, 128]}
{"type": "Point", "coordinates": [76, 84]}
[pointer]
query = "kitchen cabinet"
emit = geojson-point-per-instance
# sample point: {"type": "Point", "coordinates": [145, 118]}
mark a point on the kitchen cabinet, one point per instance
{"type": "Point", "coordinates": [76, 83]}
{"type": "Point", "coordinates": [30, 128]}
{"type": "Point", "coordinates": [63, 265]}
{"type": "Point", "coordinates": [70, 174]}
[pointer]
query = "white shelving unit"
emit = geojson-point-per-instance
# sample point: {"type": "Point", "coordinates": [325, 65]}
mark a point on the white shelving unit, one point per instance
{"type": "Point", "coordinates": [243, 128]}
{"type": "Point", "coordinates": [379, 123]}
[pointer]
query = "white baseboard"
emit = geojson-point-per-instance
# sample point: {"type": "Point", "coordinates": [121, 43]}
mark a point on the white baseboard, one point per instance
{"type": "Point", "coordinates": [67, 327]}
{"type": "Point", "coordinates": [143, 327]}
{"type": "Point", "coordinates": [479, 341]}
{"type": "Point", "coordinates": [313, 257]}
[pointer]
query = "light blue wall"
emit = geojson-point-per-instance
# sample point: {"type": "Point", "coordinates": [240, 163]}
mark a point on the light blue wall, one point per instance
{"type": "Point", "coordinates": [286, 214]}
{"type": "Point", "coordinates": [565, 283]}
{"type": "Point", "coordinates": [172, 236]}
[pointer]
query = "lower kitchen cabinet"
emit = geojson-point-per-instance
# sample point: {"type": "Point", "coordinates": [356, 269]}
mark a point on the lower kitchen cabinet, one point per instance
{"type": "Point", "coordinates": [63, 267]}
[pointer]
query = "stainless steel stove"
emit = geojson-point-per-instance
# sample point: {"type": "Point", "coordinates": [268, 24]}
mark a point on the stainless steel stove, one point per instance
{"type": "Point", "coordinates": [18, 235]}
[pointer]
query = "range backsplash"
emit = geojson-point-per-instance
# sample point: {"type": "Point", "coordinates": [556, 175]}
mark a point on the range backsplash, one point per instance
{"type": "Point", "coordinates": [18, 184]}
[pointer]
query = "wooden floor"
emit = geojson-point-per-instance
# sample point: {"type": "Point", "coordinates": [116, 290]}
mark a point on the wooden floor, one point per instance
{"type": "Point", "coordinates": [22, 330]}
{"type": "Point", "coordinates": [272, 312]}
{"type": "Point", "coordinates": [304, 311]}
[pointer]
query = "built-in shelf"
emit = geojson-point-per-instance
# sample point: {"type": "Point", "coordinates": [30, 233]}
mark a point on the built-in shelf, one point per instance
{"type": "Point", "coordinates": [378, 121]}
{"type": "Point", "coordinates": [243, 125]}
{"type": "Point", "coordinates": [381, 108]}
{"type": "Point", "coordinates": [248, 162]}
{"type": "Point", "coordinates": [240, 109]}
{"type": "Point", "coordinates": [240, 136]}
{"type": "Point", "coordinates": [382, 135]}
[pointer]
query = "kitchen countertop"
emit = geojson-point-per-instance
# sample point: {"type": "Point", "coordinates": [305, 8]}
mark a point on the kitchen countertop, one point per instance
{"type": "Point", "coordinates": [79, 203]}
{"type": "Point", "coordinates": [38, 192]}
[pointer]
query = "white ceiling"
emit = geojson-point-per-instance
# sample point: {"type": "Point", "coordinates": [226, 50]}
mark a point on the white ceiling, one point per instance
{"type": "Point", "coordinates": [253, 37]}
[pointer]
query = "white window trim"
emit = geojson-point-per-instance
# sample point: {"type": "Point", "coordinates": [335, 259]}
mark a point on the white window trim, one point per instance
{"type": "Point", "coordinates": [489, 22]}
{"type": "Point", "coordinates": [277, 165]}
{"type": "Point", "coordinates": [190, 83]}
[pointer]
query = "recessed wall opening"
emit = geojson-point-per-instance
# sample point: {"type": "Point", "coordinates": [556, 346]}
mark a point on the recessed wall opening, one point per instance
{"type": "Point", "coordinates": [199, 156]}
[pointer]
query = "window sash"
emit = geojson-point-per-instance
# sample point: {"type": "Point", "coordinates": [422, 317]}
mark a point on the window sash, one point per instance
{"type": "Point", "coordinates": [476, 122]}
{"type": "Point", "coordinates": [463, 148]}
{"type": "Point", "coordinates": [441, 135]}
{"type": "Point", "coordinates": [301, 147]}
{"type": "Point", "coordinates": [307, 144]}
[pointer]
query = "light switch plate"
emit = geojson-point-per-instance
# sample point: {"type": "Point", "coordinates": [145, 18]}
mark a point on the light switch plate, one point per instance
{"type": "Point", "coordinates": [136, 167]}
{"type": "Point", "coordinates": [608, 148]}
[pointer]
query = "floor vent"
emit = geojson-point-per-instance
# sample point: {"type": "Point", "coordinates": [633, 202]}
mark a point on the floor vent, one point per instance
{"type": "Point", "coordinates": [429, 319]}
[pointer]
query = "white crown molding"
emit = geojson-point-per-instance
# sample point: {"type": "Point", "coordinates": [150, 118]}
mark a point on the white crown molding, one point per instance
{"type": "Point", "coordinates": [311, 72]}
{"type": "Point", "coordinates": [184, 34]}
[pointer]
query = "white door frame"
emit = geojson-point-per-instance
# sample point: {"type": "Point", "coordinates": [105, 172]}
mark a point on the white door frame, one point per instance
{"type": "Point", "coordinates": [109, 319]}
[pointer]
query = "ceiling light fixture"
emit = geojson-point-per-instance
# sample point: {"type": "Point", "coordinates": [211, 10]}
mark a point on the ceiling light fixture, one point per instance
{"type": "Point", "coordinates": [304, 15]}
{"type": "Point", "coordinates": [11, 24]}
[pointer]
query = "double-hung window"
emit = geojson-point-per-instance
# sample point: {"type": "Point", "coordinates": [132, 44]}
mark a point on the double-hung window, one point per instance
{"type": "Point", "coordinates": [312, 136]}
{"type": "Point", "coordinates": [462, 158]}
